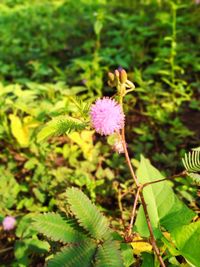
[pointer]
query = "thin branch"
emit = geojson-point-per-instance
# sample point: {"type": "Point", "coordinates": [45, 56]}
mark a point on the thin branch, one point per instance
{"type": "Point", "coordinates": [128, 159]}
{"type": "Point", "coordinates": [168, 178]}
{"type": "Point", "coordinates": [152, 238]}
{"type": "Point", "coordinates": [5, 250]}
{"type": "Point", "coordinates": [119, 198]}
{"type": "Point", "coordinates": [134, 211]}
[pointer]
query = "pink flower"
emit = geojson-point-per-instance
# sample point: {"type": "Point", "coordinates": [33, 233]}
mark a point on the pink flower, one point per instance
{"type": "Point", "coordinates": [107, 116]}
{"type": "Point", "coordinates": [8, 223]}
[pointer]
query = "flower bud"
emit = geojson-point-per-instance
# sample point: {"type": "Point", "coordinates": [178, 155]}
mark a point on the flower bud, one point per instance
{"type": "Point", "coordinates": [116, 73]}
{"type": "Point", "coordinates": [9, 223]}
{"type": "Point", "coordinates": [123, 76]}
{"type": "Point", "coordinates": [111, 76]}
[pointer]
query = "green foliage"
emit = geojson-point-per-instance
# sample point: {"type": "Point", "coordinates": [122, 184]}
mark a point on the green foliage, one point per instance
{"type": "Point", "coordinates": [191, 162]}
{"type": "Point", "coordinates": [27, 242]}
{"type": "Point", "coordinates": [76, 256]}
{"type": "Point", "coordinates": [56, 228]}
{"type": "Point", "coordinates": [51, 71]}
{"type": "Point", "coordinates": [108, 255]}
{"type": "Point", "coordinates": [80, 250]}
{"type": "Point", "coordinates": [165, 209]}
{"type": "Point", "coordinates": [59, 126]}
{"type": "Point", "coordinates": [187, 237]}
{"type": "Point", "coordinates": [87, 214]}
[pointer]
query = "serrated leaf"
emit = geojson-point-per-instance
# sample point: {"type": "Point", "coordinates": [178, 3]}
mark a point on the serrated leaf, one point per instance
{"type": "Point", "coordinates": [60, 125]}
{"type": "Point", "coordinates": [56, 228]}
{"type": "Point", "coordinates": [187, 240]}
{"type": "Point", "coordinates": [191, 162]}
{"type": "Point", "coordinates": [82, 106]}
{"type": "Point", "coordinates": [108, 254]}
{"type": "Point", "coordinates": [194, 176]}
{"type": "Point", "coordinates": [87, 214]}
{"type": "Point", "coordinates": [74, 256]}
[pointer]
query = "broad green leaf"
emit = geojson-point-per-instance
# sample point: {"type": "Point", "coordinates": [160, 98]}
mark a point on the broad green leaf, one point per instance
{"type": "Point", "coordinates": [187, 240]}
{"type": "Point", "coordinates": [164, 208]}
{"type": "Point", "coordinates": [148, 260]}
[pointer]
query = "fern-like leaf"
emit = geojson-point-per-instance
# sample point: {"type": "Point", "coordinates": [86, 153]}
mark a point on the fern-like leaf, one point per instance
{"type": "Point", "coordinates": [196, 148]}
{"type": "Point", "coordinates": [82, 106]}
{"type": "Point", "coordinates": [74, 256]}
{"type": "Point", "coordinates": [87, 214]}
{"type": "Point", "coordinates": [56, 228]}
{"type": "Point", "coordinates": [60, 125]}
{"type": "Point", "coordinates": [108, 254]}
{"type": "Point", "coordinates": [191, 162]}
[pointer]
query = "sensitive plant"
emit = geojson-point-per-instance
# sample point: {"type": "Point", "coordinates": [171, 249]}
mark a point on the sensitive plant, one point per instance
{"type": "Point", "coordinates": [107, 116]}
{"type": "Point", "coordinates": [160, 220]}
{"type": "Point", "coordinates": [9, 223]}
{"type": "Point", "coordinates": [40, 57]}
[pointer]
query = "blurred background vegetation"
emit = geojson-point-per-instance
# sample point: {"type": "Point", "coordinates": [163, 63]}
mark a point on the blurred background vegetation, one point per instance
{"type": "Point", "coordinates": [51, 50]}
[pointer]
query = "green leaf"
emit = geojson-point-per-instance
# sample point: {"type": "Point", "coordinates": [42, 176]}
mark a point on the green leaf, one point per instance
{"type": "Point", "coordinates": [74, 256]}
{"type": "Point", "coordinates": [21, 253]}
{"type": "Point", "coordinates": [108, 254]}
{"type": "Point", "coordinates": [187, 240]}
{"type": "Point", "coordinates": [60, 125]}
{"type": "Point", "coordinates": [164, 207]}
{"type": "Point", "coordinates": [191, 162]}
{"type": "Point", "coordinates": [148, 260]}
{"type": "Point", "coordinates": [83, 107]}
{"type": "Point", "coordinates": [25, 228]}
{"type": "Point", "coordinates": [87, 214]}
{"type": "Point", "coordinates": [55, 227]}
{"type": "Point", "coordinates": [98, 27]}
{"type": "Point", "coordinates": [36, 245]}
{"type": "Point", "coordinates": [127, 254]}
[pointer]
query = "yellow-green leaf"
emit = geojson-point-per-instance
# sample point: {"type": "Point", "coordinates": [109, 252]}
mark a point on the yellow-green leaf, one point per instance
{"type": "Point", "coordinates": [19, 131]}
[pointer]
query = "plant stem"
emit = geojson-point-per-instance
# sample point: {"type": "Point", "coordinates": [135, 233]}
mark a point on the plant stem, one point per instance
{"type": "Point", "coordinates": [152, 238]}
{"type": "Point", "coordinates": [5, 249]}
{"type": "Point", "coordinates": [140, 193]}
{"type": "Point", "coordinates": [168, 178]}
{"type": "Point", "coordinates": [128, 159]}
{"type": "Point", "coordinates": [134, 211]}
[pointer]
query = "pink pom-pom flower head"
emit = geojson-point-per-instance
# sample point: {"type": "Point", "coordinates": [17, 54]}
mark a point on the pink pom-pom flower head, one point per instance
{"type": "Point", "coordinates": [107, 116]}
{"type": "Point", "coordinates": [9, 223]}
